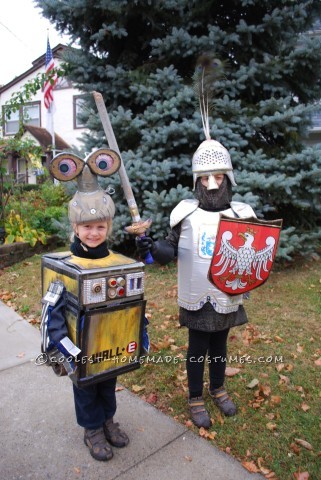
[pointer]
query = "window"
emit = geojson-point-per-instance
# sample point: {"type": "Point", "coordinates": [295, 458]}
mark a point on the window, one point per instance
{"type": "Point", "coordinates": [29, 114]}
{"type": "Point", "coordinates": [79, 105]}
{"type": "Point", "coordinates": [11, 122]}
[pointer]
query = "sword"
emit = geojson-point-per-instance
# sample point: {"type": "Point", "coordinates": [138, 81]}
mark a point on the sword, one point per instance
{"type": "Point", "coordinates": [138, 226]}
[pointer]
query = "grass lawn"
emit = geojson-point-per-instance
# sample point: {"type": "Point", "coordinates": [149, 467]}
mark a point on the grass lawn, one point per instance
{"type": "Point", "coordinates": [274, 365]}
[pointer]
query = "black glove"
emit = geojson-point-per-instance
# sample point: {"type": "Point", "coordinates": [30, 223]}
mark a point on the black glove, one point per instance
{"type": "Point", "coordinates": [144, 245]}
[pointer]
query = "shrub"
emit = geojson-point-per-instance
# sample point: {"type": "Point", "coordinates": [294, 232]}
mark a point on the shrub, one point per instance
{"type": "Point", "coordinates": [44, 219]}
{"type": "Point", "coordinates": [53, 195]}
{"type": "Point", "coordinates": [18, 230]}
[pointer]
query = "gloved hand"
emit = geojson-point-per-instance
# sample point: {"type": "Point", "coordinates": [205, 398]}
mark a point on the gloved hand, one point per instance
{"type": "Point", "coordinates": [144, 245]}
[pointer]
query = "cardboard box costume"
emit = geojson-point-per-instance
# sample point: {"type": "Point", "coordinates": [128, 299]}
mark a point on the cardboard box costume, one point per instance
{"type": "Point", "coordinates": [93, 309]}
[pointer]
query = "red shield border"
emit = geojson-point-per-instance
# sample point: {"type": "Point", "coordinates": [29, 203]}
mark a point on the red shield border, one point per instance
{"type": "Point", "coordinates": [244, 253]}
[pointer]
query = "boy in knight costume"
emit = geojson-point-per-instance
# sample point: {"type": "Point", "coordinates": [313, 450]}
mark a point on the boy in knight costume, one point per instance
{"type": "Point", "coordinates": [87, 290]}
{"type": "Point", "coordinates": [207, 312]}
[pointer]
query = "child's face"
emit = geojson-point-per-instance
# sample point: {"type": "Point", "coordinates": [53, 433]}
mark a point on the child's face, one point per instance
{"type": "Point", "coordinates": [92, 234]}
{"type": "Point", "coordinates": [218, 178]}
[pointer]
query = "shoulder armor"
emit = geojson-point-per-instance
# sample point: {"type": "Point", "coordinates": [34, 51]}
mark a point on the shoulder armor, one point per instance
{"type": "Point", "coordinates": [243, 209]}
{"type": "Point", "coordinates": [182, 210]}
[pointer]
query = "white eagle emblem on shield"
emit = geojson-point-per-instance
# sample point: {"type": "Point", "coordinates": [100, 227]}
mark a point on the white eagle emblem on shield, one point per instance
{"type": "Point", "coordinates": [240, 265]}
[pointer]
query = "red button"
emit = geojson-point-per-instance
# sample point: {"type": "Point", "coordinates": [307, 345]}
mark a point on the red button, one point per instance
{"type": "Point", "coordinates": [120, 291]}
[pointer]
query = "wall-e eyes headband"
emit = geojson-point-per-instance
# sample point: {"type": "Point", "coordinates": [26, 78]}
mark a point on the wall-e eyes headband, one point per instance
{"type": "Point", "coordinates": [90, 203]}
{"type": "Point", "coordinates": [67, 166]}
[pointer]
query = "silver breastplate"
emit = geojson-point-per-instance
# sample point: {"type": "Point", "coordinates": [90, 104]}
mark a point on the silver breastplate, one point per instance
{"type": "Point", "coordinates": [195, 250]}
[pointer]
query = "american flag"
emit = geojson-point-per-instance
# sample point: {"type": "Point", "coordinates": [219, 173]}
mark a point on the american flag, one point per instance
{"type": "Point", "coordinates": [50, 83]}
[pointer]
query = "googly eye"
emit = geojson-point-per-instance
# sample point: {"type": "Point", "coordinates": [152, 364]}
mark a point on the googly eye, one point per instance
{"type": "Point", "coordinates": [104, 162]}
{"type": "Point", "coordinates": [66, 166]}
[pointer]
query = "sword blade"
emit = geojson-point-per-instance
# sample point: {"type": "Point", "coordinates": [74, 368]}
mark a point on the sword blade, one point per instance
{"type": "Point", "coordinates": [112, 142]}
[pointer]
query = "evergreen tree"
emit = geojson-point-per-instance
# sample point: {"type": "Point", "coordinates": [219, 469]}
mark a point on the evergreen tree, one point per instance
{"type": "Point", "coordinates": [141, 54]}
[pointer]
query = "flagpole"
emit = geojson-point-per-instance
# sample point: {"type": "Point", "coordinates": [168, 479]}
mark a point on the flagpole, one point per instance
{"type": "Point", "coordinates": [53, 140]}
{"type": "Point", "coordinates": [48, 95]}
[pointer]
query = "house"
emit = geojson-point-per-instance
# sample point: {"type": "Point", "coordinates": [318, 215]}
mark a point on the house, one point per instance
{"type": "Point", "coordinates": [66, 122]}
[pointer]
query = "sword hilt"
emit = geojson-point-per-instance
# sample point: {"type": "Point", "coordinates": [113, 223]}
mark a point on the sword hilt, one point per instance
{"type": "Point", "coordinates": [139, 229]}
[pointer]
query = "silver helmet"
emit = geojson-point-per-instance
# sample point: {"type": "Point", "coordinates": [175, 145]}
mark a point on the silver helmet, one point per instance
{"type": "Point", "coordinates": [90, 202]}
{"type": "Point", "coordinates": [211, 158]}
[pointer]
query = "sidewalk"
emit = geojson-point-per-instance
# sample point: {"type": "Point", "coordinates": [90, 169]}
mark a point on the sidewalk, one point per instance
{"type": "Point", "coordinates": [41, 440]}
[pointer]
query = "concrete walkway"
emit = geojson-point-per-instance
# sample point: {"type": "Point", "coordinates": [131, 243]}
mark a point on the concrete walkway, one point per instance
{"type": "Point", "coordinates": [40, 439]}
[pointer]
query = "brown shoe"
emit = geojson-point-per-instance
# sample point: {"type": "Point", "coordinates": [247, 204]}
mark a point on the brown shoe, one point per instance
{"type": "Point", "coordinates": [199, 415]}
{"type": "Point", "coordinates": [97, 444]}
{"type": "Point", "coordinates": [114, 434]}
{"type": "Point", "coordinates": [223, 401]}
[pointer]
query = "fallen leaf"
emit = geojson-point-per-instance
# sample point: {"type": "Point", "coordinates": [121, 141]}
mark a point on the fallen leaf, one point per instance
{"type": "Point", "coordinates": [280, 367]}
{"type": "Point", "coordinates": [220, 418]}
{"type": "Point", "coordinates": [303, 443]}
{"type": "Point", "coordinates": [119, 389]}
{"type": "Point", "coordinates": [271, 426]}
{"type": "Point", "coordinates": [301, 475]}
{"type": "Point", "coordinates": [188, 458]}
{"type": "Point", "coordinates": [276, 399]}
{"type": "Point", "coordinates": [305, 407]}
{"type": "Point", "coordinates": [263, 469]}
{"type": "Point", "coordinates": [295, 448]}
{"type": "Point", "coordinates": [174, 347]}
{"type": "Point", "coordinates": [254, 383]}
{"type": "Point", "coordinates": [77, 470]}
{"type": "Point", "coordinates": [284, 379]}
{"type": "Point", "coordinates": [278, 339]}
{"type": "Point", "coordinates": [138, 388]}
{"type": "Point", "coordinates": [265, 390]}
{"type": "Point", "coordinates": [231, 371]}
{"type": "Point", "coordinates": [189, 423]}
{"type": "Point", "coordinates": [228, 450]}
{"type": "Point", "coordinates": [270, 416]}
{"type": "Point", "coordinates": [256, 405]}
{"type": "Point", "coordinates": [152, 398]}
{"type": "Point", "coordinates": [250, 466]}
{"type": "Point", "coordinates": [206, 434]}
{"type": "Point", "coordinates": [6, 296]}
{"type": "Point", "coordinates": [299, 348]}
{"type": "Point", "coordinates": [318, 362]}
{"type": "Point", "coordinates": [21, 355]}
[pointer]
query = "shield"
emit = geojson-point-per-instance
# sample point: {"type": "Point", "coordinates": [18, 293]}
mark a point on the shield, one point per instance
{"type": "Point", "coordinates": [244, 253]}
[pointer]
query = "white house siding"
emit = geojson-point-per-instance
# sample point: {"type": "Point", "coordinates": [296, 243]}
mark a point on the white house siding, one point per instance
{"type": "Point", "coordinates": [63, 97]}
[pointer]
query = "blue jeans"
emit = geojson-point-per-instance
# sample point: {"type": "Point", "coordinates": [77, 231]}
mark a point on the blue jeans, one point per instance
{"type": "Point", "coordinates": [95, 404]}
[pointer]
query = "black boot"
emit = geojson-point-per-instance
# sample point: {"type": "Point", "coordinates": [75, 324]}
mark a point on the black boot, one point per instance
{"type": "Point", "coordinates": [97, 444]}
{"type": "Point", "coordinates": [199, 415]}
{"type": "Point", "coordinates": [223, 401]}
{"type": "Point", "coordinates": [114, 434]}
